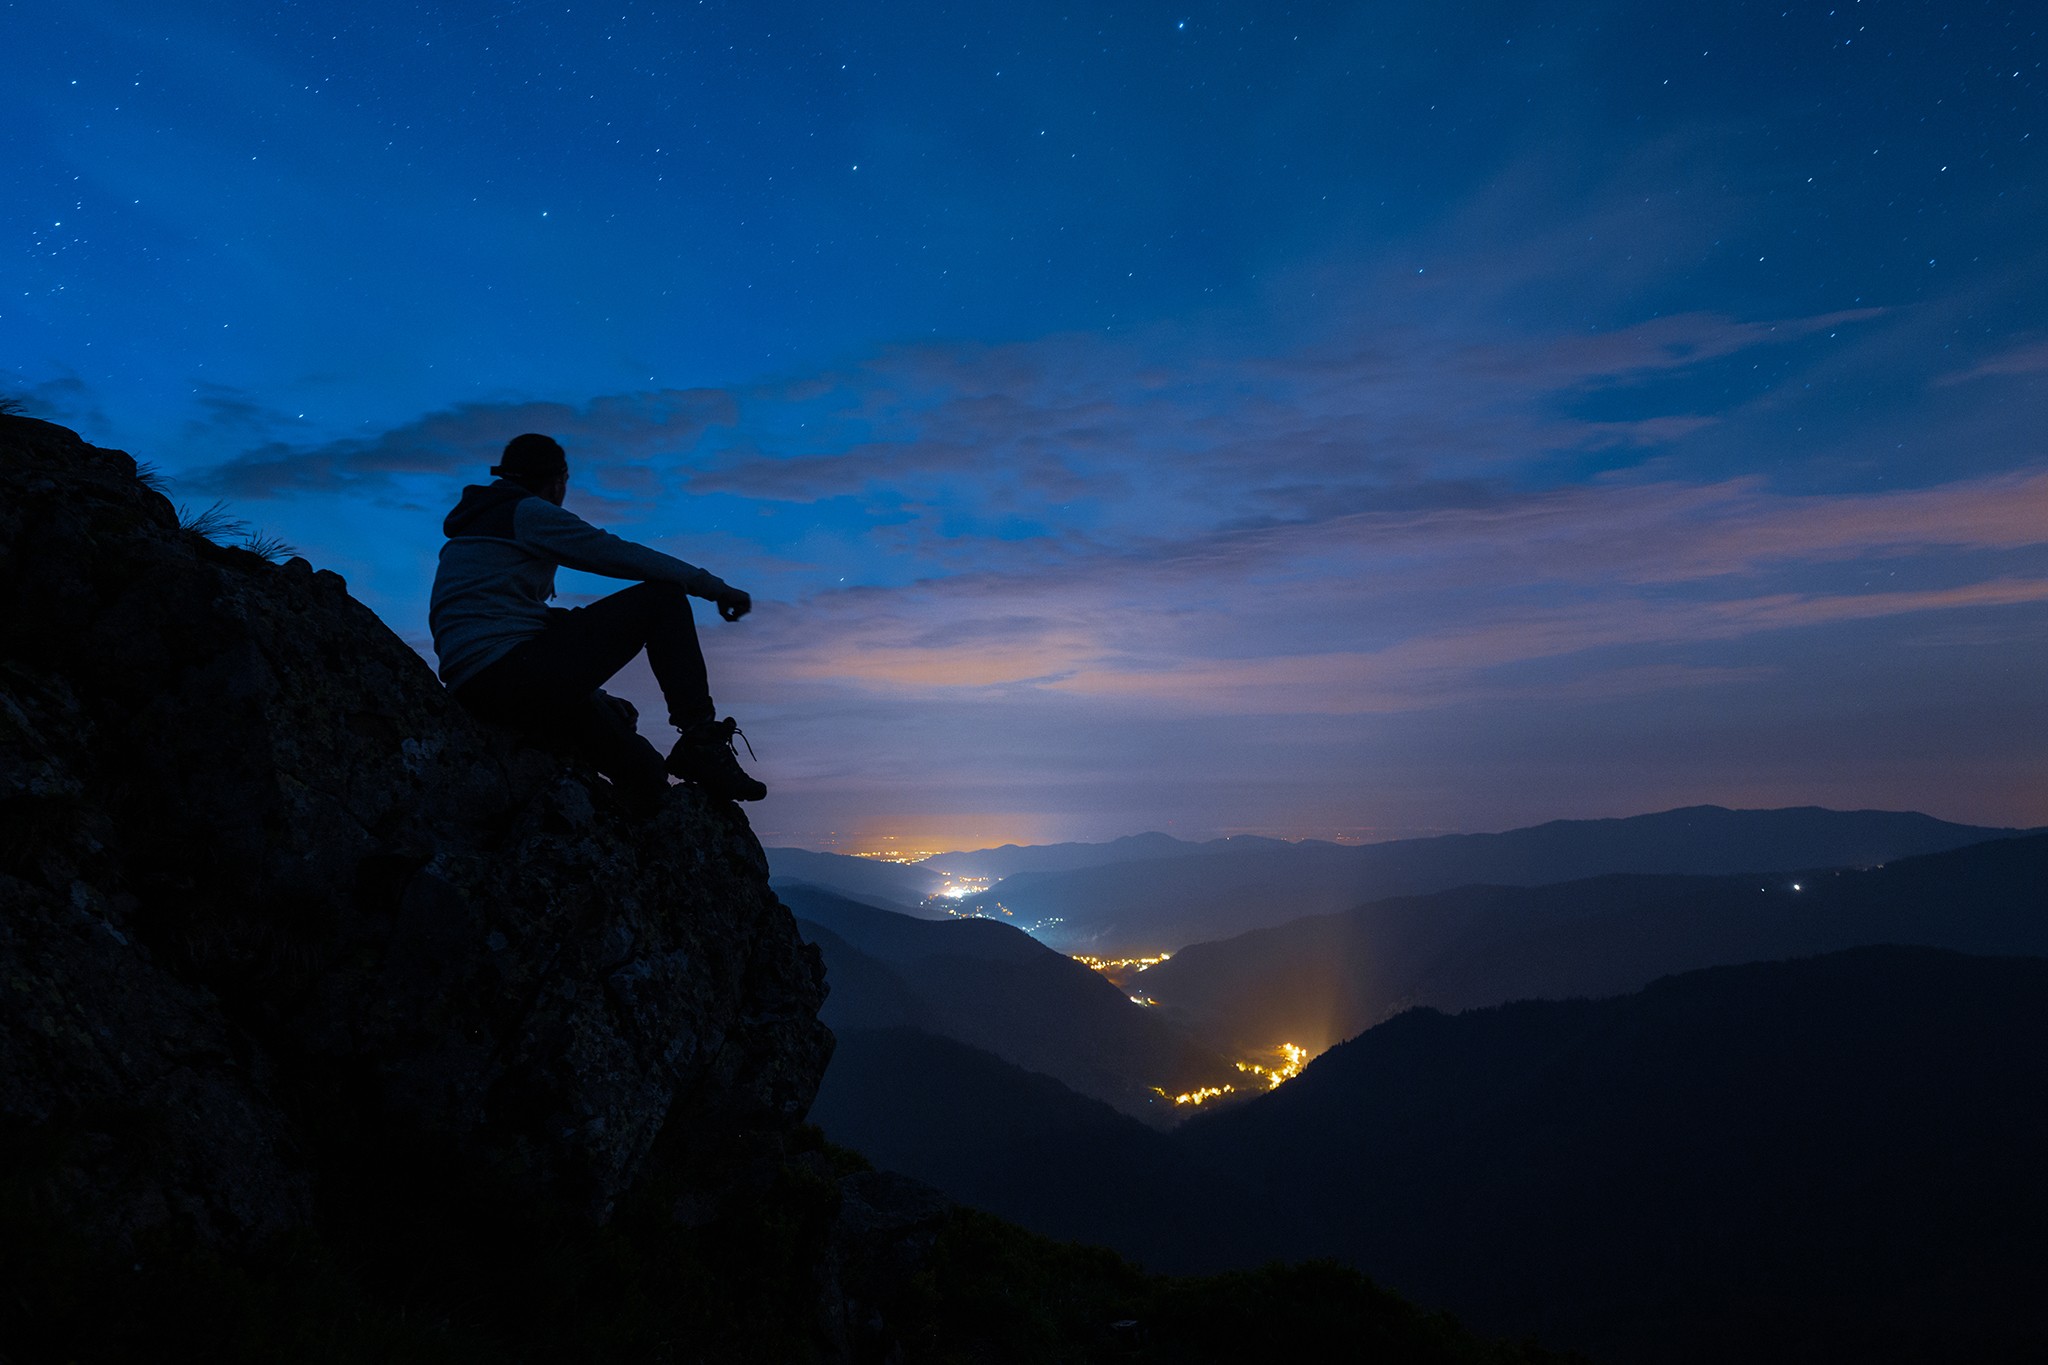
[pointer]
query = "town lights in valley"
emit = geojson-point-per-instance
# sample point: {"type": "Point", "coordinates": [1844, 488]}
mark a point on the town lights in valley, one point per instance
{"type": "Point", "coordinates": [1201, 1096]}
{"type": "Point", "coordinates": [1116, 964]}
{"type": "Point", "coordinates": [1291, 1059]}
{"type": "Point", "coordinates": [1287, 1061]}
{"type": "Point", "coordinates": [1120, 970]}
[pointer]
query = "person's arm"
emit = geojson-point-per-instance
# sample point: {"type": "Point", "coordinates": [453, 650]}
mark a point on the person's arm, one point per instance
{"type": "Point", "coordinates": [571, 541]}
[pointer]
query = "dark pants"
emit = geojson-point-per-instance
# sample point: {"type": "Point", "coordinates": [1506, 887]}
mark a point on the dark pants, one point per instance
{"type": "Point", "coordinates": [549, 684]}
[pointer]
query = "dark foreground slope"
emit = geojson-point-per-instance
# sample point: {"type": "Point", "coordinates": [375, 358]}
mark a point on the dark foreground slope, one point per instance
{"type": "Point", "coordinates": [1018, 1144]}
{"type": "Point", "coordinates": [1321, 979]}
{"type": "Point", "coordinates": [1837, 1158]}
{"type": "Point", "coordinates": [335, 1027]}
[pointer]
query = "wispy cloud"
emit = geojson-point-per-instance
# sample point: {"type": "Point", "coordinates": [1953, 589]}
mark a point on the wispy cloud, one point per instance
{"type": "Point", "coordinates": [1346, 527]}
{"type": "Point", "coordinates": [2030, 358]}
{"type": "Point", "coordinates": [65, 399]}
{"type": "Point", "coordinates": [624, 439]}
{"type": "Point", "coordinates": [1067, 448]}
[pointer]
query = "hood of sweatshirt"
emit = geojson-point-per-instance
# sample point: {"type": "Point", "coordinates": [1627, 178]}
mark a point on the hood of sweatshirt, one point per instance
{"type": "Point", "coordinates": [485, 510]}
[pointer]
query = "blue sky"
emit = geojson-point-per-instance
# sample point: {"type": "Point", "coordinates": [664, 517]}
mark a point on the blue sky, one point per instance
{"type": "Point", "coordinates": [1339, 420]}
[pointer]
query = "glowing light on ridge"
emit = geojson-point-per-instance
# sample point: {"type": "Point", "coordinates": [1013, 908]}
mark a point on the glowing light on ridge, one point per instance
{"type": "Point", "coordinates": [1289, 1059]}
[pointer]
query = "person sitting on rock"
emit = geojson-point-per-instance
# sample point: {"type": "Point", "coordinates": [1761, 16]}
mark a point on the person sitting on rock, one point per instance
{"type": "Point", "coordinates": [510, 657]}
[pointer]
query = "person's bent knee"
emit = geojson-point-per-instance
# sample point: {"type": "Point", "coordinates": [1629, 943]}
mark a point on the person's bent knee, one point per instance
{"type": "Point", "coordinates": [660, 597]}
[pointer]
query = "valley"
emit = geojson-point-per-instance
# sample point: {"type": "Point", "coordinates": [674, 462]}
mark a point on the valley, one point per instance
{"type": "Point", "coordinates": [1554, 1071]}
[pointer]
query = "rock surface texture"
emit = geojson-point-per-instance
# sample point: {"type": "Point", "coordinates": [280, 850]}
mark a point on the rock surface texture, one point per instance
{"type": "Point", "coordinates": [265, 890]}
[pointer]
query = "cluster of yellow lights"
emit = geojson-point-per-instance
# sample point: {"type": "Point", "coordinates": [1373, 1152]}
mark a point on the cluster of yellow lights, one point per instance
{"type": "Point", "coordinates": [1292, 1058]}
{"type": "Point", "coordinates": [978, 913]}
{"type": "Point", "coordinates": [1206, 1093]}
{"type": "Point", "coordinates": [903, 856]}
{"type": "Point", "coordinates": [1112, 964]}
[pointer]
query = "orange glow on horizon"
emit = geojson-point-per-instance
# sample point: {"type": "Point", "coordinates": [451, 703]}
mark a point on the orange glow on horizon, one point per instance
{"type": "Point", "coordinates": [920, 837]}
{"type": "Point", "coordinates": [915, 837]}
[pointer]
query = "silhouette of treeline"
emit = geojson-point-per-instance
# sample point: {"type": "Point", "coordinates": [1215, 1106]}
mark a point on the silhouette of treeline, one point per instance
{"type": "Point", "coordinates": [1002, 1297]}
{"type": "Point", "coordinates": [415, 1266]}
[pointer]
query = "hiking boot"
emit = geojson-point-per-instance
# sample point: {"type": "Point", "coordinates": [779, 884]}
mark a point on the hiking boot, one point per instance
{"type": "Point", "coordinates": [704, 756]}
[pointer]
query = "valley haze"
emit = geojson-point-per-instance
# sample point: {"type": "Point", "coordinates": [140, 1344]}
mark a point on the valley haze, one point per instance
{"type": "Point", "coordinates": [1686, 1087]}
{"type": "Point", "coordinates": [1151, 893]}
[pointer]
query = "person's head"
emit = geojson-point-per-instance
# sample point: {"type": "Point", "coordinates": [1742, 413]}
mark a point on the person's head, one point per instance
{"type": "Point", "coordinates": [536, 462]}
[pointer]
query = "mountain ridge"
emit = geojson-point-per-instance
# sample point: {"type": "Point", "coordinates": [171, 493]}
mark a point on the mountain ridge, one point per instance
{"type": "Point", "coordinates": [1148, 906]}
{"type": "Point", "coordinates": [1482, 945]}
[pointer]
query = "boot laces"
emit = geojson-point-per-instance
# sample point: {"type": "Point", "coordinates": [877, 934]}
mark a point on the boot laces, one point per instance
{"type": "Point", "coordinates": [734, 732]}
{"type": "Point", "coordinates": [727, 731]}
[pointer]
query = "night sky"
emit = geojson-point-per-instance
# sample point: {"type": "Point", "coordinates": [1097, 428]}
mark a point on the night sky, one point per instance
{"type": "Point", "coordinates": [1330, 420]}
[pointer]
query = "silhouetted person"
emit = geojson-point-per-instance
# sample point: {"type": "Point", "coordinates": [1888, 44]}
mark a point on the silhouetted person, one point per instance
{"type": "Point", "coordinates": [510, 657]}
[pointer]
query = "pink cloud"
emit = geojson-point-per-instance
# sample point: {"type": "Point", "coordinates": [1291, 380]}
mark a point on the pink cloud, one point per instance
{"type": "Point", "coordinates": [2031, 358]}
{"type": "Point", "coordinates": [1410, 610]}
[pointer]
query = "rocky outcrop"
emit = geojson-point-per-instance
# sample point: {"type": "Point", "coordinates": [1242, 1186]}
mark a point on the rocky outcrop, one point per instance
{"type": "Point", "coordinates": [266, 894]}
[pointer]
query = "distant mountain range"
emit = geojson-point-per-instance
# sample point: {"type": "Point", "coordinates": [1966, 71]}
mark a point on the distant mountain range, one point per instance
{"type": "Point", "coordinates": [1320, 979]}
{"type": "Point", "coordinates": [1011, 859]}
{"type": "Point", "coordinates": [1151, 892]}
{"type": "Point", "coordinates": [1835, 1158]}
{"type": "Point", "coordinates": [993, 987]}
{"type": "Point", "coordinates": [899, 886]}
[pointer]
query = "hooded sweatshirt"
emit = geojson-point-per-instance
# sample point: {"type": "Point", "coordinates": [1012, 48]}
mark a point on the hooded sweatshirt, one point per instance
{"type": "Point", "coordinates": [497, 573]}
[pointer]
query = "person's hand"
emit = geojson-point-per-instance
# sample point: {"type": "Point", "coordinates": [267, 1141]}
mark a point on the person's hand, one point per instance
{"type": "Point", "coordinates": [733, 604]}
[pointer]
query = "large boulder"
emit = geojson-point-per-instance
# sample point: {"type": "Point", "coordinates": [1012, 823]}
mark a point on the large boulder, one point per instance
{"type": "Point", "coordinates": [266, 893]}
